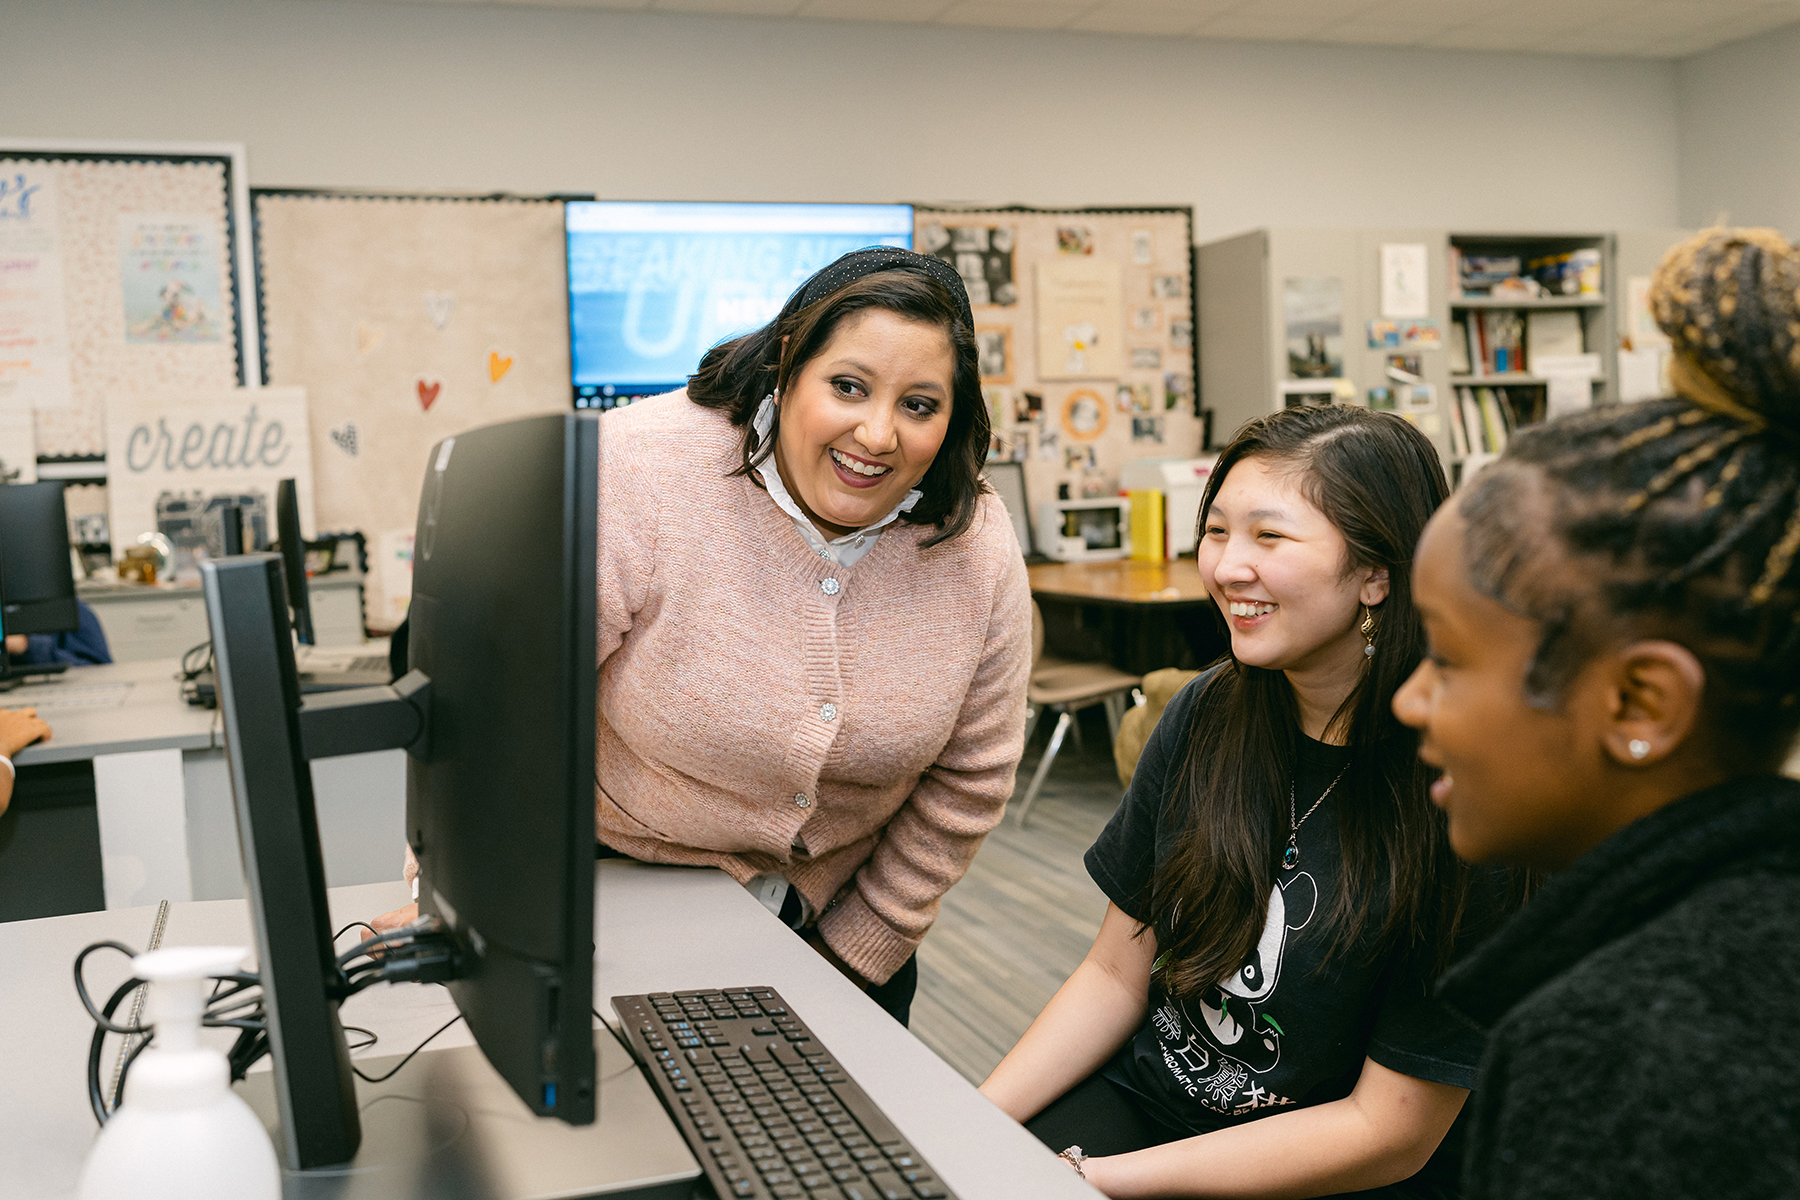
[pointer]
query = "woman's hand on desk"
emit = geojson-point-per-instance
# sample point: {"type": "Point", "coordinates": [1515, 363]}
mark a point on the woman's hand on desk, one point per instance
{"type": "Point", "coordinates": [16, 643]}
{"type": "Point", "coordinates": [19, 727]}
{"type": "Point", "coordinates": [387, 922]}
{"type": "Point", "coordinates": [812, 938]}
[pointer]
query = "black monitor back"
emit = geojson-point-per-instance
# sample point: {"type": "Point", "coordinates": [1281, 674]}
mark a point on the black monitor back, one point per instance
{"type": "Point", "coordinates": [293, 558]}
{"type": "Point", "coordinates": [37, 580]}
{"type": "Point", "coordinates": [500, 813]}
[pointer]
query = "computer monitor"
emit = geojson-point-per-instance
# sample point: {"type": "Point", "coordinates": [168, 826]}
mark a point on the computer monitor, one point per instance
{"type": "Point", "coordinates": [497, 715]}
{"type": "Point", "coordinates": [293, 558]}
{"type": "Point", "coordinates": [653, 286]}
{"type": "Point", "coordinates": [1008, 481]}
{"type": "Point", "coordinates": [37, 580]}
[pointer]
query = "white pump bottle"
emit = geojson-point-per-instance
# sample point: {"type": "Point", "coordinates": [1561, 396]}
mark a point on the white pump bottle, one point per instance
{"type": "Point", "coordinates": [181, 1133]}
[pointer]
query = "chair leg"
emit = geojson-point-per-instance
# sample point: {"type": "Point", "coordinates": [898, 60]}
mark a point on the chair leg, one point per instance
{"type": "Point", "coordinates": [1075, 729]}
{"type": "Point", "coordinates": [1115, 712]}
{"type": "Point", "coordinates": [1063, 721]}
{"type": "Point", "coordinates": [1032, 713]}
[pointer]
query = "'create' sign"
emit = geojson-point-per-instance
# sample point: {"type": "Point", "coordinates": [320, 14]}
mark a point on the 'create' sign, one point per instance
{"type": "Point", "coordinates": [169, 455]}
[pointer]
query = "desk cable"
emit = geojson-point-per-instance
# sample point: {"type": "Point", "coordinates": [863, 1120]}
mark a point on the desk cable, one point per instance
{"type": "Point", "coordinates": [420, 952]}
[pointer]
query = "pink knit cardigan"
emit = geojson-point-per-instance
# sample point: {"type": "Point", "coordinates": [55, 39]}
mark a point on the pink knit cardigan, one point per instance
{"type": "Point", "coordinates": [749, 705]}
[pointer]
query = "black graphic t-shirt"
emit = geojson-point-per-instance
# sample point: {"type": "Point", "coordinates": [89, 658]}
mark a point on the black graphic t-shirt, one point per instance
{"type": "Point", "coordinates": [1280, 1032]}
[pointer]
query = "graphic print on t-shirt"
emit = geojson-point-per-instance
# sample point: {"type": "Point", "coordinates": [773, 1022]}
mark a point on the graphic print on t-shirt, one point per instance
{"type": "Point", "coordinates": [1237, 1035]}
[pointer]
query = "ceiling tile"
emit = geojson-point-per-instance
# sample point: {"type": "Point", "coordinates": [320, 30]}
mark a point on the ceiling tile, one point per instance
{"type": "Point", "coordinates": [1017, 14]}
{"type": "Point", "coordinates": [1173, 17]}
{"type": "Point", "coordinates": [873, 10]}
{"type": "Point", "coordinates": [734, 8]}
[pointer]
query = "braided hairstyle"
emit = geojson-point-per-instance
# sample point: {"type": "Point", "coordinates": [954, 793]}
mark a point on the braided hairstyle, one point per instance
{"type": "Point", "coordinates": [1676, 518]}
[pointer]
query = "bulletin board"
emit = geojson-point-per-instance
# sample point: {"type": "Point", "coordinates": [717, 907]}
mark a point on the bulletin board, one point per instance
{"type": "Point", "coordinates": [407, 319]}
{"type": "Point", "coordinates": [1085, 323]}
{"type": "Point", "coordinates": [119, 271]}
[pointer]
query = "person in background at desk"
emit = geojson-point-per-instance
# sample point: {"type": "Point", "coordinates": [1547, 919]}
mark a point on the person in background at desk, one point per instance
{"type": "Point", "coordinates": [815, 625]}
{"type": "Point", "coordinates": [19, 728]}
{"type": "Point", "coordinates": [1254, 1017]}
{"type": "Point", "coordinates": [85, 647]}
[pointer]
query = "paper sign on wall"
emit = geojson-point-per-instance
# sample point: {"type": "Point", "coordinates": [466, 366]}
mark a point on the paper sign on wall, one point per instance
{"type": "Point", "coordinates": [171, 455]}
{"type": "Point", "coordinates": [34, 333]}
{"type": "Point", "coordinates": [18, 446]}
{"type": "Point", "coordinates": [1080, 319]}
{"type": "Point", "coordinates": [1403, 280]}
{"type": "Point", "coordinates": [169, 271]}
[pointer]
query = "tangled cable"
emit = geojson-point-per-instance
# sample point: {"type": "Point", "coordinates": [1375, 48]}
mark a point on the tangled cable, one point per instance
{"type": "Point", "coordinates": [420, 952]}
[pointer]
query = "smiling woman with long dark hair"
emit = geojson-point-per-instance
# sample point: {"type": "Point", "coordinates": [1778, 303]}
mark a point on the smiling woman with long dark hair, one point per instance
{"type": "Point", "coordinates": [1253, 1018]}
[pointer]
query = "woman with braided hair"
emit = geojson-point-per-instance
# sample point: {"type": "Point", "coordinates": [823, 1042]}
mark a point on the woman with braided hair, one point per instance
{"type": "Point", "coordinates": [1613, 611]}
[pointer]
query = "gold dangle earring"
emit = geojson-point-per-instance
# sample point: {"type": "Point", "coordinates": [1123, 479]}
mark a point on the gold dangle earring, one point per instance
{"type": "Point", "coordinates": [1368, 632]}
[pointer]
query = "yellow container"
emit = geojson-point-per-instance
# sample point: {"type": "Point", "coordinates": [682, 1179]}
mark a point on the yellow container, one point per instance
{"type": "Point", "coordinates": [1147, 537]}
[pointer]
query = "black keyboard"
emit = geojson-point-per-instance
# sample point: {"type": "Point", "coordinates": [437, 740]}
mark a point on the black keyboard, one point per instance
{"type": "Point", "coordinates": [766, 1108]}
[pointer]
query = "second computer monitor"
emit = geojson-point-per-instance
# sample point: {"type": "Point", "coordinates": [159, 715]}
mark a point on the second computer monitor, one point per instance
{"type": "Point", "coordinates": [500, 807]}
{"type": "Point", "coordinates": [37, 579]}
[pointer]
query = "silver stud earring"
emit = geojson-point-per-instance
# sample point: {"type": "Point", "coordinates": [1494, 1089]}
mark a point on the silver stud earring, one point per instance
{"type": "Point", "coordinates": [1639, 748]}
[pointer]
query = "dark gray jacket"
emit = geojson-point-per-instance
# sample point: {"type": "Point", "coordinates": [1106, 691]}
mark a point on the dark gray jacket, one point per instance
{"type": "Point", "coordinates": [1644, 1013]}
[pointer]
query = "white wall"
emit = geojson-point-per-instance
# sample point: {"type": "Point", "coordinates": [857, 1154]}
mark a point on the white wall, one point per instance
{"type": "Point", "coordinates": [648, 105]}
{"type": "Point", "coordinates": [1740, 133]}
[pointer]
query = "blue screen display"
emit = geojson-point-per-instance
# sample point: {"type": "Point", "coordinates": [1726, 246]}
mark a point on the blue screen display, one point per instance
{"type": "Point", "coordinates": [652, 287]}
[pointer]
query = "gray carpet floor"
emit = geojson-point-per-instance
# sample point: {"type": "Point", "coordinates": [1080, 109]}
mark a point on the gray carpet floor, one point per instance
{"type": "Point", "coordinates": [1024, 916]}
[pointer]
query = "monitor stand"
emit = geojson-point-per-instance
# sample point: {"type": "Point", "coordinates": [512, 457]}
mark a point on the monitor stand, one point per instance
{"type": "Point", "coordinates": [12, 674]}
{"type": "Point", "coordinates": [448, 1126]}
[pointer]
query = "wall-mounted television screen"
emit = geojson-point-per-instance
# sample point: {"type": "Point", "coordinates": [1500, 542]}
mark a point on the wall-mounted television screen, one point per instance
{"type": "Point", "coordinates": [653, 286]}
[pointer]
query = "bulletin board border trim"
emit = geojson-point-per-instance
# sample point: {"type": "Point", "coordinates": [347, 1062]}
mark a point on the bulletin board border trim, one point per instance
{"type": "Point", "coordinates": [256, 227]}
{"type": "Point", "coordinates": [231, 156]}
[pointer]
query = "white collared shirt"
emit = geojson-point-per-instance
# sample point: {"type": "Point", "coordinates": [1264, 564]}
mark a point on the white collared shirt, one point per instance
{"type": "Point", "coordinates": [846, 551]}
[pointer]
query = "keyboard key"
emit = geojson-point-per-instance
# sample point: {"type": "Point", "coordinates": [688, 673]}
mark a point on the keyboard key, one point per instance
{"type": "Point", "coordinates": [929, 1191]}
{"type": "Point", "coordinates": [902, 1159]}
{"type": "Point", "coordinates": [890, 1187]}
{"type": "Point", "coordinates": [859, 1191]}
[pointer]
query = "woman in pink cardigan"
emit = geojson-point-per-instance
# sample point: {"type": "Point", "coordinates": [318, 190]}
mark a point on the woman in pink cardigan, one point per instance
{"type": "Point", "coordinates": [815, 627]}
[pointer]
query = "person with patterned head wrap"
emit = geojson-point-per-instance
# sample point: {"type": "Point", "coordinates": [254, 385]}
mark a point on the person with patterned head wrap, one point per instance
{"type": "Point", "coordinates": [1613, 688]}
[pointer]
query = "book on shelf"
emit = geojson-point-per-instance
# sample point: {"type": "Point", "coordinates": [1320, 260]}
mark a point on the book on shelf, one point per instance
{"type": "Point", "coordinates": [1553, 332]}
{"type": "Point", "coordinates": [1496, 339]}
{"type": "Point", "coordinates": [1484, 419]}
{"type": "Point", "coordinates": [1461, 363]}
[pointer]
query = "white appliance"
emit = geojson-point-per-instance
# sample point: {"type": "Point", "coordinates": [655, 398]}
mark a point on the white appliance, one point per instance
{"type": "Point", "coordinates": [1181, 481]}
{"type": "Point", "coordinates": [1084, 530]}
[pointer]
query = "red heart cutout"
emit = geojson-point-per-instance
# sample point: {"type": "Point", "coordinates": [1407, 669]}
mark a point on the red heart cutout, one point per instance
{"type": "Point", "coordinates": [428, 392]}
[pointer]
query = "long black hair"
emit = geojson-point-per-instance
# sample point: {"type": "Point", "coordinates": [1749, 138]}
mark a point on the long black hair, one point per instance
{"type": "Point", "coordinates": [1377, 479]}
{"type": "Point", "coordinates": [1676, 518]}
{"type": "Point", "coordinates": [736, 375]}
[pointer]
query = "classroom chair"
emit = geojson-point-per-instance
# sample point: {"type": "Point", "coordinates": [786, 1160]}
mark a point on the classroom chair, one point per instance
{"type": "Point", "coordinates": [1066, 687]}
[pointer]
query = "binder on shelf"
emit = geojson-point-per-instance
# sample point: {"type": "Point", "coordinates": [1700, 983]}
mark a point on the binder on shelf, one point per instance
{"type": "Point", "coordinates": [1148, 536]}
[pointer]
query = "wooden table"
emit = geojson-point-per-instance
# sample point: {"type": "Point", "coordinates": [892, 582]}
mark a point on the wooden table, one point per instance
{"type": "Point", "coordinates": [1122, 581]}
{"type": "Point", "coordinates": [1139, 616]}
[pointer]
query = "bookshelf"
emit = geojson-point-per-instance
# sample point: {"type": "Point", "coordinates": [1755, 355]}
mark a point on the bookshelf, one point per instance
{"type": "Point", "coordinates": [1242, 330]}
{"type": "Point", "coordinates": [1521, 305]}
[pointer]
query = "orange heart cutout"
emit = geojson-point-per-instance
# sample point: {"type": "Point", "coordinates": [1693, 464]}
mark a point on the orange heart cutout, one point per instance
{"type": "Point", "coordinates": [498, 365]}
{"type": "Point", "coordinates": [428, 392]}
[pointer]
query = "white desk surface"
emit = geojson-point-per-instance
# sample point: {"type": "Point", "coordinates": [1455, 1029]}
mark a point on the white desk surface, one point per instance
{"type": "Point", "coordinates": [658, 929]}
{"type": "Point", "coordinates": [152, 715]}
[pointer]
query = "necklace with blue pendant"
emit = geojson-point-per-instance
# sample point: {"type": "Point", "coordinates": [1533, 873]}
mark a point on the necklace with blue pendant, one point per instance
{"type": "Point", "coordinates": [1290, 858]}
